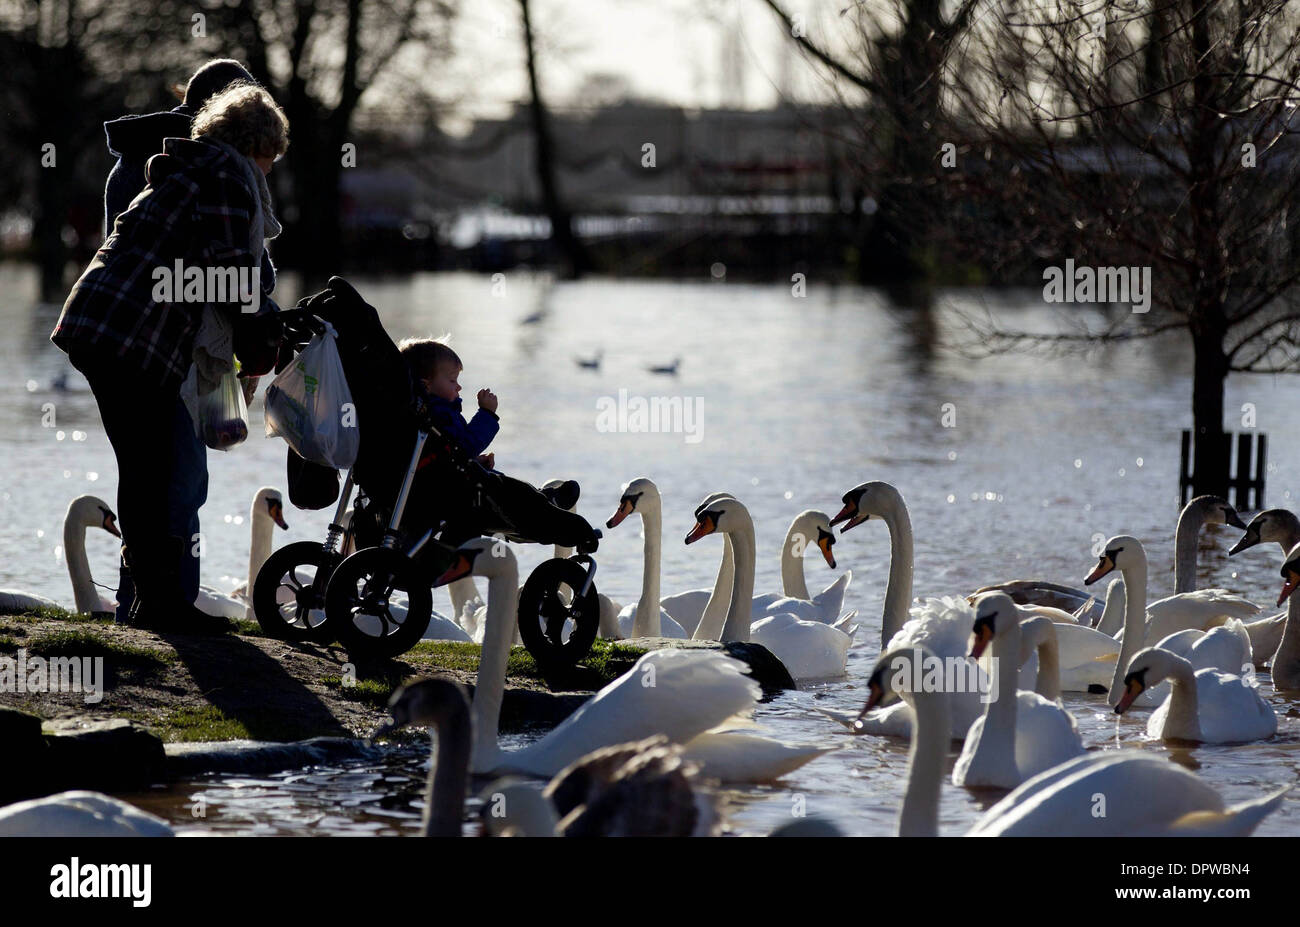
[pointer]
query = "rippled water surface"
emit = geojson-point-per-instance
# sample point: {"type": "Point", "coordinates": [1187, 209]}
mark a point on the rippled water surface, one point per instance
{"type": "Point", "coordinates": [802, 399]}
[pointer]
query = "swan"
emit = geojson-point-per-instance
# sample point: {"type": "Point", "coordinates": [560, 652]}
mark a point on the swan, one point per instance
{"type": "Point", "coordinates": [687, 608]}
{"type": "Point", "coordinates": [1201, 511]}
{"type": "Point", "coordinates": [80, 814]}
{"type": "Point", "coordinates": [646, 617]}
{"type": "Point", "coordinates": [1201, 609]}
{"type": "Point", "coordinates": [1086, 656]}
{"type": "Point", "coordinates": [1020, 733]}
{"type": "Point", "coordinates": [1205, 706]}
{"type": "Point", "coordinates": [886, 503]}
{"type": "Point", "coordinates": [808, 649]}
{"type": "Point", "coordinates": [83, 512]}
{"type": "Point", "coordinates": [681, 694]}
{"type": "Point", "coordinates": [1286, 662]}
{"type": "Point", "coordinates": [1280, 526]}
{"type": "Point", "coordinates": [264, 514]}
{"type": "Point", "coordinates": [1144, 794]}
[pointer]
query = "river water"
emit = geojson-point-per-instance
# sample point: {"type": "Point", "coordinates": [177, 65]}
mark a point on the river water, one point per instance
{"type": "Point", "coordinates": [798, 400]}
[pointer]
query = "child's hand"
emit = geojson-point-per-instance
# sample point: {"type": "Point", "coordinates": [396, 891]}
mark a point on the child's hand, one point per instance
{"type": "Point", "coordinates": [488, 460]}
{"type": "Point", "coordinates": [487, 400]}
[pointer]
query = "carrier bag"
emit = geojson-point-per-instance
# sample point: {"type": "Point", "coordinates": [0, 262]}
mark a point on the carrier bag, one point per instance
{"type": "Point", "coordinates": [311, 486]}
{"type": "Point", "coordinates": [223, 414]}
{"type": "Point", "coordinates": [310, 406]}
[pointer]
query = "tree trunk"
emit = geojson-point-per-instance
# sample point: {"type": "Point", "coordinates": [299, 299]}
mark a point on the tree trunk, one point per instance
{"type": "Point", "coordinates": [569, 244]}
{"type": "Point", "coordinates": [1210, 442]}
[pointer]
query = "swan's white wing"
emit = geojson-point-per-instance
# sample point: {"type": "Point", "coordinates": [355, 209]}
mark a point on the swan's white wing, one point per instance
{"type": "Point", "coordinates": [1265, 637]}
{"type": "Point", "coordinates": [80, 814]}
{"type": "Point", "coordinates": [442, 628]}
{"type": "Point", "coordinates": [1201, 609]}
{"type": "Point", "coordinates": [808, 649]}
{"type": "Point", "coordinates": [1087, 657]}
{"type": "Point", "coordinates": [746, 758]}
{"type": "Point", "coordinates": [1046, 734]}
{"type": "Point", "coordinates": [677, 693]}
{"type": "Point", "coordinates": [686, 607]}
{"type": "Point", "coordinates": [15, 602]}
{"type": "Point", "coordinates": [1228, 709]}
{"type": "Point", "coordinates": [218, 604]}
{"type": "Point", "coordinates": [831, 599]}
{"type": "Point", "coordinates": [1115, 794]}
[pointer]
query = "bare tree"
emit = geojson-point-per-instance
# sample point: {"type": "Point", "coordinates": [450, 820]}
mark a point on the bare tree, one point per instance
{"type": "Point", "coordinates": [1149, 134]}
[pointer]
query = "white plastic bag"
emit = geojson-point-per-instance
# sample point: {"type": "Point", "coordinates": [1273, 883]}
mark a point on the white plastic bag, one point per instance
{"type": "Point", "coordinates": [310, 406]}
{"type": "Point", "coordinates": [223, 414]}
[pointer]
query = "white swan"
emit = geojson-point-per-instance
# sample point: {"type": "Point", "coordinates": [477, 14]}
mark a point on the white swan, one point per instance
{"type": "Point", "coordinates": [1285, 666]}
{"type": "Point", "coordinates": [1087, 655]}
{"type": "Point", "coordinates": [684, 695]}
{"type": "Point", "coordinates": [80, 814]}
{"type": "Point", "coordinates": [886, 503]}
{"type": "Point", "coordinates": [1020, 733]}
{"type": "Point", "coordinates": [1283, 528]}
{"type": "Point", "coordinates": [83, 512]}
{"type": "Point", "coordinates": [1201, 511]}
{"type": "Point", "coordinates": [1145, 795]}
{"type": "Point", "coordinates": [1202, 609]}
{"type": "Point", "coordinates": [264, 513]}
{"type": "Point", "coordinates": [646, 617]}
{"type": "Point", "coordinates": [807, 649]}
{"type": "Point", "coordinates": [1205, 706]}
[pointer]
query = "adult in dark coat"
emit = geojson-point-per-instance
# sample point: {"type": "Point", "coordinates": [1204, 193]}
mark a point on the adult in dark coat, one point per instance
{"type": "Point", "coordinates": [133, 140]}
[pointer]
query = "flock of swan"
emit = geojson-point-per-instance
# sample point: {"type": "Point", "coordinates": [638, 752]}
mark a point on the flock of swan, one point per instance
{"type": "Point", "coordinates": [641, 755]}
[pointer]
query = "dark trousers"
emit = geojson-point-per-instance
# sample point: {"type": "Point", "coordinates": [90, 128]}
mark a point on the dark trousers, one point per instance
{"type": "Point", "coordinates": [186, 494]}
{"type": "Point", "coordinates": [528, 512]}
{"type": "Point", "coordinates": [140, 419]}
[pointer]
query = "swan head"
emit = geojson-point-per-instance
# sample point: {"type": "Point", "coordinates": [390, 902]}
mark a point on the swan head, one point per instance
{"type": "Point", "coordinates": [269, 503]}
{"type": "Point", "coordinates": [92, 512]}
{"type": "Point", "coordinates": [1275, 525]}
{"type": "Point", "coordinates": [725, 514]}
{"type": "Point", "coordinates": [486, 557]}
{"type": "Point", "coordinates": [1216, 511]}
{"type": "Point", "coordinates": [1119, 553]}
{"type": "Point", "coordinates": [633, 493]}
{"type": "Point", "coordinates": [1148, 668]}
{"type": "Point", "coordinates": [995, 614]}
{"type": "Point", "coordinates": [864, 500]}
{"type": "Point", "coordinates": [431, 702]}
{"type": "Point", "coordinates": [892, 676]}
{"type": "Point", "coordinates": [1291, 574]}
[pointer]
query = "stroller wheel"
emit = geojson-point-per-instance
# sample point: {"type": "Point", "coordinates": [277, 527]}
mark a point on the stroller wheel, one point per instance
{"type": "Point", "coordinates": [283, 599]}
{"type": "Point", "coordinates": [378, 604]}
{"type": "Point", "coordinates": [557, 627]}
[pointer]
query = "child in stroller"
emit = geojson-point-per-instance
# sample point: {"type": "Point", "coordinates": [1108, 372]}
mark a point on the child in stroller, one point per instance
{"type": "Point", "coordinates": [416, 508]}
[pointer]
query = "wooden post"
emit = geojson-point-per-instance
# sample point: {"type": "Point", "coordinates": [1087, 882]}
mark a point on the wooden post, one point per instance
{"type": "Point", "coordinates": [1241, 482]}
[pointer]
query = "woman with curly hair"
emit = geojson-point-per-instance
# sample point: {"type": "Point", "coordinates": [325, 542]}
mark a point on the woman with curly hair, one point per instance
{"type": "Point", "coordinates": [206, 206]}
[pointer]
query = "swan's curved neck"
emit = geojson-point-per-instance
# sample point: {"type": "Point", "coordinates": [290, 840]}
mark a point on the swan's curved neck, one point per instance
{"type": "Point", "coordinates": [898, 593]}
{"type": "Point", "coordinates": [84, 592]}
{"type": "Point", "coordinates": [1186, 538]}
{"type": "Point", "coordinates": [1135, 623]}
{"type": "Point", "coordinates": [444, 798]}
{"type": "Point", "coordinates": [740, 611]}
{"type": "Point", "coordinates": [646, 623]}
{"type": "Point", "coordinates": [1286, 661]}
{"type": "Point", "coordinates": [999, 736]}
{"type": "Point", "coordinates": [1183, 720]}
{"type": "Point", "coordinates": [715, 611]}
{"type": "Point", "coordinates": [1048, 682]}
{"type": "Point", "coordinates": [919, 816]}
{"type": "Point", "coordinates": [802, 533]}
{"type": "Point", "coordinates": [1112, 614]}
{"type": "Point", "coordinates": [489, 686]}
{"type": "Point", "coordinates": [260, 542]}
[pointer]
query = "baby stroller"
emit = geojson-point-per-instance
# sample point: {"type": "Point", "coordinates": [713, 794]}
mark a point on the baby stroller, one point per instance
{"type": "Point", "coordinates": [378, 601]}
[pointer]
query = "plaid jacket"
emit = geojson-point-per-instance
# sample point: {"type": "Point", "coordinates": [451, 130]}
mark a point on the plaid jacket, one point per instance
{"type": "Point", "coordinates": [196, 209]}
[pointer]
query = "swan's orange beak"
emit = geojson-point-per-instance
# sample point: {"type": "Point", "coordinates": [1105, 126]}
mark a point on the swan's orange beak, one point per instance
{"type": "Point", "coordinates": [983, 634]}
{"type": "Point", "coordinates": [277, 514]}
{"type": "Point", "coordinates": [702, 527]}
{"type": "Point", "coordinates": [1104, 566]}
{"type": "Point", "coordinates": [459, 569]}
{"type": "Point", "coordinates": [874, 694]}
{"type": "Point", "coordinates": [845, 513]}
{"type": "Point", "coordinates": [824, 543]}
{"type": "Point", "coordinates": [1132, 689]}
{"type": "Point", "coordinates": [110, 525]}
{"type": "Point", "coordinates": [1292, 580]}
{"type": "Point", "coordinates": [624, 510]}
